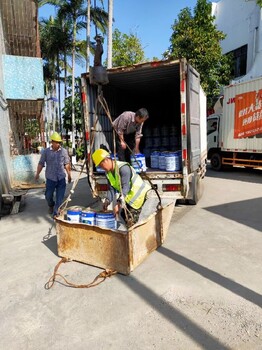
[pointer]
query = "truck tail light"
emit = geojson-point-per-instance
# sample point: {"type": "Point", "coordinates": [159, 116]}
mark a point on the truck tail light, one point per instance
{"type": "Point", "coordinates": [102, 187]}
{"type": "Point", "coordinates": [171, 187]}
{"type": "Point", "coordinates": [83, 95]}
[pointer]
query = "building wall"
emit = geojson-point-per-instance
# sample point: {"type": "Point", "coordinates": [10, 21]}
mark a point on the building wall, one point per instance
{"type": "Point", "coordinates": [5, 161]}
{"type": "Point", "coordinates": [21, 82]}
{"type": "Point", "coordinates": [23, 77]}
{"type": "Point", "coordinates": [241, 21]}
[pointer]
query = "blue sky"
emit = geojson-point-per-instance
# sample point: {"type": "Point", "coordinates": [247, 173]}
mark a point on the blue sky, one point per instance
{"type": "Point", "coordinates": [149, 20]}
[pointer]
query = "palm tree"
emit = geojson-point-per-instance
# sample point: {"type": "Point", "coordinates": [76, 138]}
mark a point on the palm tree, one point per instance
{"type": "Point", "coordinates": [73, 12]}
{"type": "Point", "coordinates": [50, 50]}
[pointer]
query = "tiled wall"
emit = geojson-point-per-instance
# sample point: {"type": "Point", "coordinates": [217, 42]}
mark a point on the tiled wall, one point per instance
{"type": "Point", "coordinates": [23, 77]}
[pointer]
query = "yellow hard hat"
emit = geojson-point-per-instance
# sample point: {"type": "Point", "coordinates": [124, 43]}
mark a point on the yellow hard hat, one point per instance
{"type": "Point", "coordinates": [99, 155]}
{"type": "Point", "coordinates": [56, 137]}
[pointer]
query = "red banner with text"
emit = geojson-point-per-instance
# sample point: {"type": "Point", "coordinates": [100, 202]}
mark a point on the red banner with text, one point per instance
{"type": "Point", "coordinates": [248, 114]}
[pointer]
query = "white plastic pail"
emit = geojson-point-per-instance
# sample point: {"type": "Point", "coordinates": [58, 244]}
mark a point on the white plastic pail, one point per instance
{"type": "Point", "coordinates": [162, 161]}
{"type": "Point", "coordinates": [154, 158]}
{"type": "Point", "coordinates": [88, 217]}
{"type": "Point", "coordinates": [138, 162]}
{"type": "Point", "coordinates": [106, 219]}
{"type": "Point", "coordinates": [74, 214]}
{"type": "Point", "coordinates": [172, 161]}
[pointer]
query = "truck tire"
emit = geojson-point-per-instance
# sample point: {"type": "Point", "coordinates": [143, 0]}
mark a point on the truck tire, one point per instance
{"type": "Point", "coordinates": [216, 161]}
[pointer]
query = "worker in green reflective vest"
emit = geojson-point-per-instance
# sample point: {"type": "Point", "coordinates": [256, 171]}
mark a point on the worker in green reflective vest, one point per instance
{"type": "Point", "coordinates": [130, 188]}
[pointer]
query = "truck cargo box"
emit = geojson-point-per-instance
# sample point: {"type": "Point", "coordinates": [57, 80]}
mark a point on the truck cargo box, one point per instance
{"type": "Point", "coordinates": [171, 92]}
{"type": "Point", "coordinates": [241, 126]}
{"type": "Point", "coordinates": [234, 134]}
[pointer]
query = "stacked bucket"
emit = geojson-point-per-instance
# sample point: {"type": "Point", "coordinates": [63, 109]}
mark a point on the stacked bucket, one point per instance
{"type": "Point", "coordinates": [167, 161]}
{"type": "Point", "coordinates": [162, 148]}
{"type": "Point", "coordinates": [87, 216]}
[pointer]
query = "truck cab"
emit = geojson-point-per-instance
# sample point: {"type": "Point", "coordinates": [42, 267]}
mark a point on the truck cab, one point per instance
{"type": "Point", "coordinates": [213, 150]}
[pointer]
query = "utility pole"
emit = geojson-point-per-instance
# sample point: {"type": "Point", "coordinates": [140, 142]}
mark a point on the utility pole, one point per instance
{"type": "Point", "coordinates": [88, 25]}
{"type": "Point", "coordinates": [73, 95]}
{"type": "Point", "coordinates": [109, 34]}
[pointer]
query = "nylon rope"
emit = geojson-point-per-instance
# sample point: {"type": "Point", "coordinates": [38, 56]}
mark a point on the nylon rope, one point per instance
{"type": "Point", "coordinates": [97, 280]}
{"type": "Point", "coordinates": [63, 206]}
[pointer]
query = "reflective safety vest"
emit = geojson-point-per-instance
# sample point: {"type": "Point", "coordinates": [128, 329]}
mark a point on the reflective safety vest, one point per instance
{"type": "Point", "coordinates": [138, 188]}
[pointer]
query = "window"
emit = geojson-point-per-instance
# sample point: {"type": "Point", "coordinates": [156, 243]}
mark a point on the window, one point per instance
{"type": "Point", "coordinates": [212, 125]}
{"type": "Point", "coordinates": [240, 61]}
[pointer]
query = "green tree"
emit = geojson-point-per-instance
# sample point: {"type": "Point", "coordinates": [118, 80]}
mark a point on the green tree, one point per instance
{"type": "Point", "coordinates": [52, 42]}
{"type": "Point", "coordinates": [127, 49]}
{"type": "Point", "coordinates": [55, 42]}
{"type": "Point", "coordinates": [73, 12]}
{"type": "Point", "coordinates": [67, 110]}
{"type": "Point", "coordinates": [259, 2]}
{"type": "Point", "coordinates": [196, 38]}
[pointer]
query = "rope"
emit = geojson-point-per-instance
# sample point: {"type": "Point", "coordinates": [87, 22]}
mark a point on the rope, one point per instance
{"type": "Point", "coordinates": [63, 206]}
{"type": "Point", "coordinates": [99, 278]}
{"type": "Point", "coordinates": [104, 105]}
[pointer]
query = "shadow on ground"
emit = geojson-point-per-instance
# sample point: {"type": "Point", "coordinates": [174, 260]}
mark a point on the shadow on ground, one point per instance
{"type": "Point", "coordinates": [234, 211]}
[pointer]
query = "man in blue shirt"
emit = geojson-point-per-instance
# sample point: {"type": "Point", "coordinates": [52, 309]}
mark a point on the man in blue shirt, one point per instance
{"type": "Point", "coordinates": [57, 163]}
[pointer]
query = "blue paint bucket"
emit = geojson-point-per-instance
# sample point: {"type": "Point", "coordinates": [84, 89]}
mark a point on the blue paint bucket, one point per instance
{"type": "Point", "coordinates": [154, 159]}
{"type": "Point", "coordinates": [172, 161]}
{"type": "Point", "coordinates": [74, 214]}
{"type": "Point", "coordinates": [99, 169]}
{"type": "Point", "coordinates": [138, 162]}
{"type": "Point", "coordinates": [106, 219]}
{"type": "Point", "coordinates": [88, 216]}
{"type": "Point", "coordinates": [162, 161]}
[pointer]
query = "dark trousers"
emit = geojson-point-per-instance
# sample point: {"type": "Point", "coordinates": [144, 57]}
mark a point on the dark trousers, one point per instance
{"type": "Point", "coordinates": [58, 188]}
{"type": "Point", "coordinates": [124, 154]}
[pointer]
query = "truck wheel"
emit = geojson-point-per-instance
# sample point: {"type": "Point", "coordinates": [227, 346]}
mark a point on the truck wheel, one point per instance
{"type": "Point", "coordinates": [216, 162]}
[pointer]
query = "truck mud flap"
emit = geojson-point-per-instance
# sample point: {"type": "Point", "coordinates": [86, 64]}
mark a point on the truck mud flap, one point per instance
{"type": "Point", "coordinates": [196, 189]}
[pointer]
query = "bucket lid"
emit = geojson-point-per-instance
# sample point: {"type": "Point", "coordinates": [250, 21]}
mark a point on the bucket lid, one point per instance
{"type": "Point", "coordinates": [105, 214]}
{"type": "Point", "coordinates": [74, 209]}
{"type": "Point", "coordinates": [137, 155]}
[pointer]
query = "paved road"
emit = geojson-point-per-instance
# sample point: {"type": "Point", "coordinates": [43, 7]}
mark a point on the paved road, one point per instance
{"type": "Point", "coordinates": [200, 290]}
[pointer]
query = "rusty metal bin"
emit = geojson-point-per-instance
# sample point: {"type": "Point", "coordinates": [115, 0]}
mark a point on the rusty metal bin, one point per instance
{"type": "Point", "coordinates": [118, 250]}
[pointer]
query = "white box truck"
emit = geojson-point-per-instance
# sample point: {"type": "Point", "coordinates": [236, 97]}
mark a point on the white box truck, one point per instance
{"type": "Point", "coordinates": [234, 135]}
{"type": "Point", "coordinates": [171, 92]}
